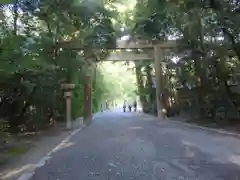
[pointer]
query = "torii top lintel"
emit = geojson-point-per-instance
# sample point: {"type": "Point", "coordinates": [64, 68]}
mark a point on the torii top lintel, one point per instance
{"type": "Point", "coordinates": [125, 44]}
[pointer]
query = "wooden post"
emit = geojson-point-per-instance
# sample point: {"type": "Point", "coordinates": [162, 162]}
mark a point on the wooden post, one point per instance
{"type": "Point", "coordinates": [157, 55]}
{"type": "Point", "coordinates": [67, 94]}
{"type": "Point", "coordinates": [68, 110]}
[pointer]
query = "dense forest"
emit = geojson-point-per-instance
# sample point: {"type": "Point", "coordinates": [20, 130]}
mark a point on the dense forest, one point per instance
{"type": "Point", "coordinates": [199, 77]}
{"type": "Point", "coordinates": [33, 65]}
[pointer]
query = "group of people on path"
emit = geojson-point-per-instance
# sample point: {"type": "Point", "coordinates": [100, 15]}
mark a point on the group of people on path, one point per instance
{"type": "Point", "coordinates": [134, 105]}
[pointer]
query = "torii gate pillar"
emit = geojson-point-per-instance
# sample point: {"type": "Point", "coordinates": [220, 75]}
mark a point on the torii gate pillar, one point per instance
{"type": "Point", "coordinates": [158, 53]}
{"type": "Point", "coordinates": [87, 109]}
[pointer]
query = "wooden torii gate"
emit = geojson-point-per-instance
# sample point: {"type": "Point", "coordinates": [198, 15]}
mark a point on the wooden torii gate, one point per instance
{"type": "Point", "coordinates": [157, 49]}
{"type": "Point", "coordinates": [158, 56]}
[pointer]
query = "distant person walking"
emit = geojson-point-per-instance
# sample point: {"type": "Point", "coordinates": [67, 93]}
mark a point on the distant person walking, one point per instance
{"type": "Point", "coordinates": [129, 107]}
{"type": "Point", "coordinates": [124, 107]}
{"type": "Point", "coordinates": [135, 106]}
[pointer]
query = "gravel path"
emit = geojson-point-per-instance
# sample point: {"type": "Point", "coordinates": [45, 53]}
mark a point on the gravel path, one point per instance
{"type": "Point", "coordinates": [127, 146]}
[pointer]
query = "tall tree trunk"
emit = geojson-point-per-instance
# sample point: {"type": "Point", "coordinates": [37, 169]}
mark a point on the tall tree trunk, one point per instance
{"type": "Point", "coordinates": [87, 111]}
{"type": "Point", "coordinates": [198, 55]}
{"type": "Point", "coordinates": [28, 102]}
{"type": "Point", "coordinates": [15, 17]}
{"type": "Point", "coordinates": [140, 85]}
{"type": "Point", "coordinates": [199, 84]}
{"type": "Point", "coordinates": [16, 120]}
{"type": "Point", "coordinates": [149, 84]}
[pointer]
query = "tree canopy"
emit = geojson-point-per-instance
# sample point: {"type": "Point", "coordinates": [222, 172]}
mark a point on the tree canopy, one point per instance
{"type": "Point", "coordinates": [200, 74]}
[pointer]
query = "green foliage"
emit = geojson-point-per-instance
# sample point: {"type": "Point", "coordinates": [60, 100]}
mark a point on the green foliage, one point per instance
{"type": "Point", "coordinates": [208, 52]}
{"type": "Point", "coordinates": [34, 63]}
{"type": "Point", "coordinates": [114, 82]}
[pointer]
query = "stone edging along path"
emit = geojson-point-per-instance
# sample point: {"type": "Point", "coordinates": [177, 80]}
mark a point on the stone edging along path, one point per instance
{"type": "Point", "coordinates": [192, 125]}
{"type": "Point", "coordinates": [214, 130]}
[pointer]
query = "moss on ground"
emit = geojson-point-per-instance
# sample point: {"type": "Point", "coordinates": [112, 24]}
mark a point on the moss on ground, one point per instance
{"type": "Point", "coordinates": [9, 153]}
